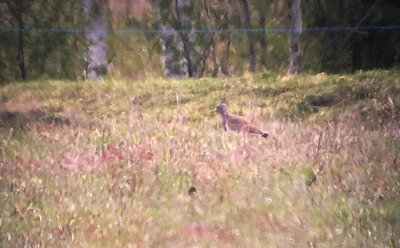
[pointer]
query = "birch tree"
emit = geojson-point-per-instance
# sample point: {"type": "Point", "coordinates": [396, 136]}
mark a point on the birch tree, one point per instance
{"type": "Point", "coordinates": [184, 12]}
{"type": "Point", "coordinates": [179, 45]}
{"type": "Point", "coordinates": [295, 29]}
{"type": "Point", "coordinates": [96, 35]}
{"type": "Point", "coordinates": [172, 47]}
{"type": "Point", "coordinates": [18, 9]}
{"type": "Point", "coordinates": [250, 36]}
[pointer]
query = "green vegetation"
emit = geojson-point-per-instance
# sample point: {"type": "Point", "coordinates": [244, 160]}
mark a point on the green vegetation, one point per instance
{"type": "Point", "coordinates": [50, 39]}
{"type": "Point", "coordinates": [110, 163]}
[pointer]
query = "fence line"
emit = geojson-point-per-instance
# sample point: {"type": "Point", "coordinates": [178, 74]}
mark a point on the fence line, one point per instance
{"type": "Point", "coordinates": [205, 30]}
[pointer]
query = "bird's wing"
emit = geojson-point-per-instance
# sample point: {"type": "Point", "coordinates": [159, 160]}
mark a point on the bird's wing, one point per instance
{"type": "Point", "coordinates": [236, 123]}
{"type": "Point", "coordinates": [253, 129]}
{"type": "Point", "coordinates": [235, 119]}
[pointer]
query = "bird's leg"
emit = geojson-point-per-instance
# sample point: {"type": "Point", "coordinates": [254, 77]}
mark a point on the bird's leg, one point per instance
{"type": "Point", "coordinates": [225, 125]}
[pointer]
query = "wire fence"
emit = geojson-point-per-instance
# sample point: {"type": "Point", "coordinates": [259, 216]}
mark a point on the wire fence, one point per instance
{"type": "Point", "coordinates": [395, 28]}
{"type": "Point", "coordinates": [133, 52]}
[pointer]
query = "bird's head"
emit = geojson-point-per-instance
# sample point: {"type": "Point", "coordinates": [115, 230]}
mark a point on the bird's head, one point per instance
{"type": "Point", "coordinates": [222, 109]}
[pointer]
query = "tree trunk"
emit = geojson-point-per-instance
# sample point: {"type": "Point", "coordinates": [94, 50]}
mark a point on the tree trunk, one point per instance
{"type": "Point", "coordinates": [225, 63]}
{"type": "Point", "coordinates": [226, 57]}
{"type": "Point", "coordinates": [96, 35]}
{"type": "Point", "coordinates": [250, 38]}
{"type": "Point", "coordinates": [263, 40]}
{"type": "Point", "coordinates": [17, 9]}
{"type": "Point", "coordinates": [184, 12]}
{"type": "Point", "coordinates": [21, 55]}
{"type": "Point", "coordinates": [172, 48]}
{"type": "Point", "coordinates": [171, 53]}
{"type": "Point", "coordinates": [213, 46]}
{"type": "Point", "coordinates": [295, 29]}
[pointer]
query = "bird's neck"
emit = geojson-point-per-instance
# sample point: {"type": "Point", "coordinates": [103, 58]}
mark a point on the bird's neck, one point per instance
{"type": "Point", "coordinates": [224, 115]}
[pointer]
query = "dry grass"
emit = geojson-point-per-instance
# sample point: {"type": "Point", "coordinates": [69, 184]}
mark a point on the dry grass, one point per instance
{"type": "Point", "coordinates": [115, 169]}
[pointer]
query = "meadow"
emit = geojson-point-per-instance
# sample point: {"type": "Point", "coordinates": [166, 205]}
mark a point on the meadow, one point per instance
{"type": "Point", "coordinates": [111, 163]}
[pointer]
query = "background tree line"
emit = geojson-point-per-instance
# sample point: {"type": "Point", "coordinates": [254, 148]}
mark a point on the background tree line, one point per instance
{"type": "Point", "coordinates": [90, 38]}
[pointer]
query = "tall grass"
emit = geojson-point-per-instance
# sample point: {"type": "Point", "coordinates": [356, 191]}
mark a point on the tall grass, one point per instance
{"type": "Point", "coordinates": [109, 164]}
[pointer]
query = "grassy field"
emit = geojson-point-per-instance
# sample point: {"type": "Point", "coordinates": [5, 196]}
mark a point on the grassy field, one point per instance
{"type": "Point", "coordinates": [110, 163]}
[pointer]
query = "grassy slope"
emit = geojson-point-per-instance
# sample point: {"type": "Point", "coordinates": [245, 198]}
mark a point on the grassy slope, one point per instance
{"type": "Point", "coordinates": [109, 164]}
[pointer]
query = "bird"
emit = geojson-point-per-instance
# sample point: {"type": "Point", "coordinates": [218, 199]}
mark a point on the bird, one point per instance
{"type": "Point", "coordinates": [192, 190]}
{"type": "Point", "coordinates": [237, 123]}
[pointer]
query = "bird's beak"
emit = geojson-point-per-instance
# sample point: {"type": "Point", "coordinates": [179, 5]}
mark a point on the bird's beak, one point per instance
{"type": "Point", "coordinates": [213, 111]}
